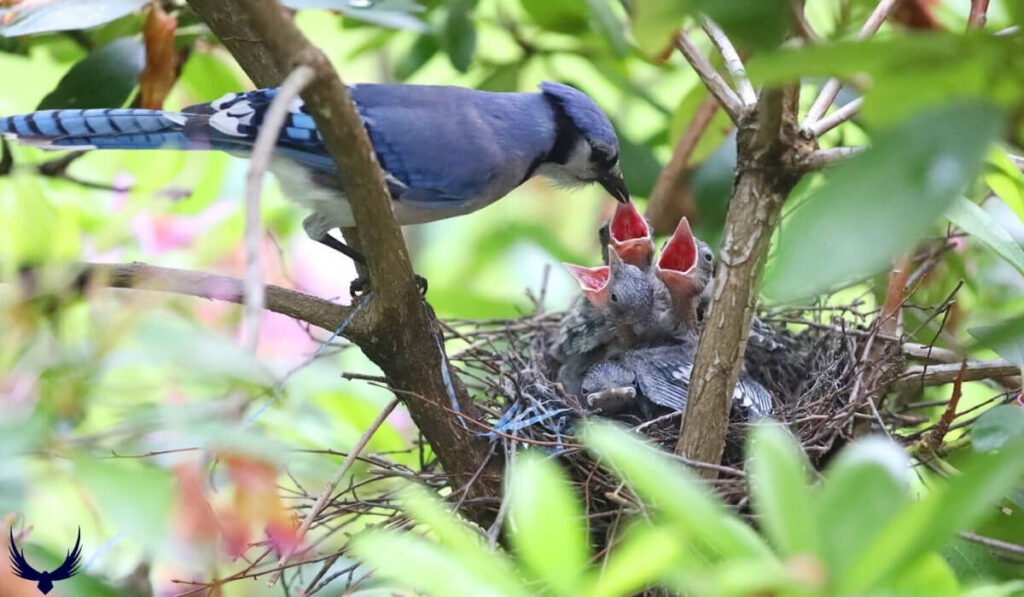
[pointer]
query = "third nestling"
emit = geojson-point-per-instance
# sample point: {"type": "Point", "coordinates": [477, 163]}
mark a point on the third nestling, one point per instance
{"type": "Point", "coordinates": [630, 345]}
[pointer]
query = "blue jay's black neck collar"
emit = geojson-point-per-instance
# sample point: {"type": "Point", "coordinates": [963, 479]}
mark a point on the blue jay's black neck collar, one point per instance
{"type": "Point", "coordinates": [567, 135]}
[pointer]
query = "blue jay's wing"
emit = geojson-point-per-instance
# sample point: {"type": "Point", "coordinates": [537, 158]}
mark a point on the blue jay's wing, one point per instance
{"type": "Point", "coordinates": [663, 377]}
{"type": "Point", "coordinates": [450, 144]}
{"type": "Point", "coordinates": [753, 397]}
{"type": "Point", "coordinates": [582, 329]}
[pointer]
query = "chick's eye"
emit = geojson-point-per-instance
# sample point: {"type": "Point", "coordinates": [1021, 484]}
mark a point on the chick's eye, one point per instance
{"type": "Point", "coordinates": [707, 256]}
{"type": "Point", "coordinates": [614, 297]}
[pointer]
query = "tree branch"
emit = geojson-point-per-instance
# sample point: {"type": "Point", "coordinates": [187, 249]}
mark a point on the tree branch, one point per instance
{"type": "Point", "coordinates": [404, 341]}
{"type": "Point", "coordinates": [765, 152]}
{"type": "Point", "coordinates": [140, 276]}
{"type": "Point", "coordinates": [714, 81]}
{"type": "Point", "coordinates": [919, 376]}
{"type": "Point", "coordinates": [732, 61]}
{"type": "Point", "coordinates": [671, 198]}
{"type": "Point", "coordinates": [825, 157]}
{"type": "Point", "coordinates": [978, 16]}
{"type": "Point", "coordinates": [831, 88]}
{"type": "Point", "coordinates": [841, 115]}
{"type": "Point", "coordinates": [262, 149]}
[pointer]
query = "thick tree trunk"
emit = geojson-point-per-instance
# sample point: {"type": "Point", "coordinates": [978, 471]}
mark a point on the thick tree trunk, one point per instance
{"type": "Point", "coordinates": [769, 150]}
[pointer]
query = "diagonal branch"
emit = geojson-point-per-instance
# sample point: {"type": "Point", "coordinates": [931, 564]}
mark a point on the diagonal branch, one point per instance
{"type": "Point", "coordinates": [978, 15]}
{"type": "Point", "coordinates": [831, 87]}
{"type": "Point", "coordinates": [732, 61]}
{"type": "Point", "coordinates": [262, 149]}
{"type": "Point", "coordinates": [671, 199]}
{"type": "Point", "coordinates": [404, 341]}
{"type": "Point", "coordinates": [712, 80]}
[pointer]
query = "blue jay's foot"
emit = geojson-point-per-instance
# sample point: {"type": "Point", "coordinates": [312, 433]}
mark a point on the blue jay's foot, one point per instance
{"type": "Point", "coordinates": [342, 248]}
{"type": "Point", "coordinates": [361, 285]}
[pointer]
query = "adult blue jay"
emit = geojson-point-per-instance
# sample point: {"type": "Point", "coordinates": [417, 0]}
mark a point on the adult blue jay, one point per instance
{"type": "Point", "coordinates": [445, 151]}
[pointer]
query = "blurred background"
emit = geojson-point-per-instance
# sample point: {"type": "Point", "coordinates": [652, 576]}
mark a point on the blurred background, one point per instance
{"type": "Point", "coordinates": [107, 397]}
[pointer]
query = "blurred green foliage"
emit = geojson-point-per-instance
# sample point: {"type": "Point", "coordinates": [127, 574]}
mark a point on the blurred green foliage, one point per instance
{"type": "Point", "coordinates": [89, 377]}
{"type": "Point", "coordinates": [857, 532]}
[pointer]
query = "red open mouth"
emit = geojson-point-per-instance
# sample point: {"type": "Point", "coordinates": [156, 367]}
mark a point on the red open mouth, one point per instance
{"type": "Point", "coordinates": [628, 223]}
{"type": "Point", "coordinates": [680, 252]}
{"type": "Point", "coordinates": [593, 281]}
{"type": "Point", "coordinates": [631, 236]}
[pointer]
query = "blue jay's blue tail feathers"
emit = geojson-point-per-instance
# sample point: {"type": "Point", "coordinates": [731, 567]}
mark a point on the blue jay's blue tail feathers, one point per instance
{"type": "Point", "coordinates": [230, 124]}
{"type": "Point", "coordinates": [106, 129]}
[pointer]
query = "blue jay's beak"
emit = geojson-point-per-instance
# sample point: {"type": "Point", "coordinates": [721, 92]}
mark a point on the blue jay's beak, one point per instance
{"type": "Point", "coordinates": [615, 184]}
{"type": "Point", "coordinates": [593, 281]}
{"type": "Point", "coordinates": [630, 235]}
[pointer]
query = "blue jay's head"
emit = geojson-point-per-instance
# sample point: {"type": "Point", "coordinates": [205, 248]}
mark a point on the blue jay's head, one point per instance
{"type": "Point", "coordinates": [586, 149]}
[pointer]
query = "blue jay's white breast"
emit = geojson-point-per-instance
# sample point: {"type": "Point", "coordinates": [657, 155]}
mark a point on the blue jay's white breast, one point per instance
{"type": "Point", "coordinates": [299, 185]}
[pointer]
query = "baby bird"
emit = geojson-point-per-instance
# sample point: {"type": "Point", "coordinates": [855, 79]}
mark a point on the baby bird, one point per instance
{"type": "Point", "coordinates": [660, 375]}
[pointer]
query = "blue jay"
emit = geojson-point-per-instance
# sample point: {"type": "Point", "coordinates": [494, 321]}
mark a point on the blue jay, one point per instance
{"type": "Point", "coordinates": [445, 151]}
{"type": "Point", "coordinates": [661, 375]}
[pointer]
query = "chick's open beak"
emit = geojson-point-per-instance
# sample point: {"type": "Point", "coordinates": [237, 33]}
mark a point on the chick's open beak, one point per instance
{"type": "Point", "coordinates": [613, 182]}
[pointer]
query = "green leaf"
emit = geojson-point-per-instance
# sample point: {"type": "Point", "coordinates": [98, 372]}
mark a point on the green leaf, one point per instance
{"type": "Point", "coordinates": [142, 512]}
{"type": "Point", "coordinates": [1007, 589]}
{"type": "Point", "coordinates": [977, 222]}
{"type": "Point", "coordinates": [666, 484]}
{"type": "Point", "coordinates": [644, 556]}
{"type": "Point", "coordinates": [425, 567]}
{"type": "Point", "coordinates": [1006, 180]}
{"type": "Point", "coordinates": [64, 15]}
{"type": "Point", "coordinates": [778, 484]}
{"type": "Point", "coordinates": [996, 427]}
{"type": "Point", "coordinates": [458, 39]}
{"type": "Point", "coordinates": [904, 75]}
{"type": "Point", "coordinates": [760, 25]}
{"type": "Point", "coordinates": [863, 489]}
{"type": "Point", "coordinates": [423, 49]}
{"type": "Point", "coordinates": [1006, 338]}
{"type": "Point", "coordinates": [930, 575]}
{"type": "Point", "coordinates": [207, 75]}
{"type": "Point", "coordinates": [546, 523]}
{"type": "Point", "coordinates": [563, 16]}
{"type": "Point", "coordinates": [926, 525]}
{"type": "Point", "coordinates": [451, 533]}
{"type": "Point", "coordinates": [655, 22]}
{"type": "Point", "coordinates": [103, 79]}
{"type": "Point", "coordinates": [609, 25]}
{"type": "Point", "coordinates": [880, 202]}
{"type": "Point", "coordinates": [394, 14]}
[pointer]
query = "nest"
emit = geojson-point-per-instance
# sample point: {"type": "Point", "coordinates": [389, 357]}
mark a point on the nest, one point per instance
{"type": "Point", "coordinates": [507, 365]}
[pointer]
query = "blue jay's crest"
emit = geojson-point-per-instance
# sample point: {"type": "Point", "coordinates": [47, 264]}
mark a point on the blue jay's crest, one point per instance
{"type": "Point", "coordinates": [588, 118]}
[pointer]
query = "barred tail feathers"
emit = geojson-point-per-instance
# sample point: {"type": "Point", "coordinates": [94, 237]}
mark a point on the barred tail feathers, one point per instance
{"type": "Point", "coordinates": [107, 129]}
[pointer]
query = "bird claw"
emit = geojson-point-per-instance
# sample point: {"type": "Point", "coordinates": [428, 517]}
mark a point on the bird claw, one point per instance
{"type": "Point", "coordinates": [361, 286]}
